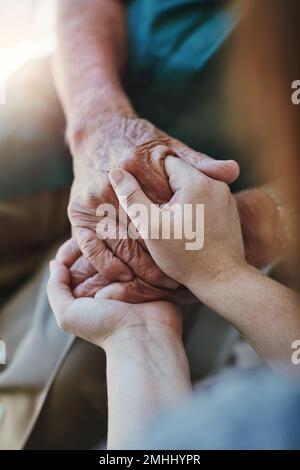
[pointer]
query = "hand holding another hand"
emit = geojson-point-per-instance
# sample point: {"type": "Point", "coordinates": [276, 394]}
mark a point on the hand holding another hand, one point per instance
{"type": "Point", "coordinates": [138, 147]}
{"type": "Point", "coordinates": [101, 320]}
{"type": "Point", "coordinates": [104, 316]}
{"type": "Point", "coordinates": [223, 246]}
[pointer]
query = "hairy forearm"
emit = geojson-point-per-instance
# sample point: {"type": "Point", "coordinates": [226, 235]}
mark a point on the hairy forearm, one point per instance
{"type": "Point", "coordinates": [146, 373]}
{"type": "Point", "coordinates": [89, 61]}
{"type": "Point", "coordinates": [264, 311]}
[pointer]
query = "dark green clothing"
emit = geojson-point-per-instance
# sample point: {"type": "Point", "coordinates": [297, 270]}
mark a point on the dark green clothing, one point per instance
{"type": "Point", "coordinates": [176, 67]}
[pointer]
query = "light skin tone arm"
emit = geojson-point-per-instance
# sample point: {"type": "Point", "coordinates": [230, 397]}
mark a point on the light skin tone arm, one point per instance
{"type": "Point", "coordinates": [90, 89]}
{"type": "Point", "coordinates": [147, 373]}
{"type": "Point", "coordinates": [264, 311]}
{"type": "Point", "coordinates": [147, 369]}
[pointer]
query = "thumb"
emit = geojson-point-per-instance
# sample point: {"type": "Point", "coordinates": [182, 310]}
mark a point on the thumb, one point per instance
{"type": "Point", "coordinates": [134, 201]}
{"type": "Point", "coordinates": [222, 170]}
{"type": "Point", "coordinates": [181, 175]}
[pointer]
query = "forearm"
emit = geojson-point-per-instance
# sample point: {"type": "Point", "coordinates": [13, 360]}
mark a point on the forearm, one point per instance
{"type": "Point", "coordinates": [145, 374]}
{"type": "Point", "coordinates": [89, 61]}
{"type": "Point", "coordinates": [265, 312]}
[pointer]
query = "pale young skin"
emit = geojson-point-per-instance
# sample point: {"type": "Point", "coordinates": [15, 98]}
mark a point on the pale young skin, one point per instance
{"type": "Point", "coordinates": [147, 369]}
{"type": "Point", "coordinates": [264, 311]}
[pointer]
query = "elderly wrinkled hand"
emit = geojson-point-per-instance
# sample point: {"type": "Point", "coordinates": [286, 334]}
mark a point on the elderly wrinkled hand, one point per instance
{"type": "Point", "coordinates": [92, 282]}
{"type": "Point", "coordinates": [138, 147]}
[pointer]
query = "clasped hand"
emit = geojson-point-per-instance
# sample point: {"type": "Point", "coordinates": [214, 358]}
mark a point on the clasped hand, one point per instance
{"type": "Point", "coordinates": [105, 314]}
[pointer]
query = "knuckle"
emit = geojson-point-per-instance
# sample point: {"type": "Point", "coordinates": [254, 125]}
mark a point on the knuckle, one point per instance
{"type": "Point", "coordinates": [97, 254]}
{"type": "Point", "coordinates": [78, 212]}
{"type": "Point", "coordinates": [224, 188]}
{"type": "Point", "coordinates": [72, 210]}
{"type": "Point", "coordinates": [120, 247]}
{"type": "Point", "coordinates": [195, 158]}
{"type": "Point", "coordinates": [190, 156]}
{"type": "Point", "coordinates": [225, 192]}
{"type": "Point", "coordinates": [88, 245]}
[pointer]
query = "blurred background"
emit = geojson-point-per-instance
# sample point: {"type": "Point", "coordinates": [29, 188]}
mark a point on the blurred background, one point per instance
{"type": "Point", "coordinates": [31, 120]}
{"type": "Point", "coordinates": [33, 155]}
{"type": "Point", "coordinates": [26, 31]}
{"type": "Point", "coordinates": [25, 20]}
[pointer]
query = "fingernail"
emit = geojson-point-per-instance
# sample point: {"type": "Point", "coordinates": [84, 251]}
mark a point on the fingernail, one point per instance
{"type": "Point", "coordinates": [220, 162]}
{"type": "Point", "coordinates": [116, 177]}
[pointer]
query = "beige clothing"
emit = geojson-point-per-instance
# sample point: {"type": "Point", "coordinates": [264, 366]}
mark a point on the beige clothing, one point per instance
{"type": "Point", "coordinates": [28, 226]}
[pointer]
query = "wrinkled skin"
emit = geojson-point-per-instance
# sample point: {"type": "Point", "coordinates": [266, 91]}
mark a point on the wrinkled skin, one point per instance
{"type": "Point", "coordinates": [258, 215]}
{"type": "Point", "coordinates": [135, 291]}
{"type": "Point", "coordinates": [137, 146]}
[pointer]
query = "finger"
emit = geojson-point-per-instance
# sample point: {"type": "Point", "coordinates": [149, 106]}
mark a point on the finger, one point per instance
{"type": "Point", "coordinates": [181, 174]}
{"type": "Point", "coordinates": [222, 170]}
{"type": "Point", "coordinates": [90, 286]}
{"type": "Point", "coordinates": [138, 291]}
{"type": "Point", "coordinates": [80, 271]}
{"type": "Point", "coordinates": [96, 251]}
{"type": "Point", "coordinates": [58, 289]}
{"type": "Point", "coordinates": [129, 194]}
{"type": "Point", "coordinates": [134, 255]}
{"type": "Point", "coordinates": [81, 317]}
{"type": "Point", "coordinates": [68, 253]}
{"type": "Point", "coordinates": [79, 267]}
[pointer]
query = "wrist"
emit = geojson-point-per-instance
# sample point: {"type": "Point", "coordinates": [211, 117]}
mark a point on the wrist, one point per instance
{"type": "Point", "coordinates": [207, 291]}
{"type": "Point", "coordinates": [135, 339]}
{"type": "Point", "coordinates": [97, 119]}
